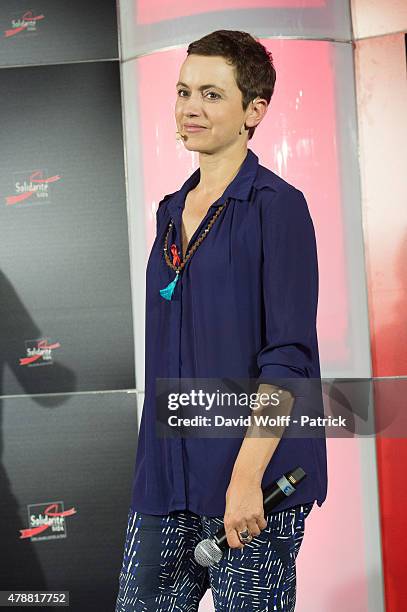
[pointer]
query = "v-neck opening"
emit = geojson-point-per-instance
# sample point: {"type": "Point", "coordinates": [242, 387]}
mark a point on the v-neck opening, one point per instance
{"type": "Point", "coordinates": [198, 229]}
{"type": "Point", "coordinates": [194, 183]}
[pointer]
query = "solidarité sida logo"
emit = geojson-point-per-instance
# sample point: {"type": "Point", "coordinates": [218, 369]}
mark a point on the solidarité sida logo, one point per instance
{"type": "Point", "coordinates": [46, 521]}
{"type": "Point", "coordinates": [38, 352]}
{"type": "Point", "coordinates": [31, 188]}
{"type": "Point", "coordinates": [24, 24]}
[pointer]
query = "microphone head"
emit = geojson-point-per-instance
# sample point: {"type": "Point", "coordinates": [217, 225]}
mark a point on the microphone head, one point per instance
{"type": "Point", "coordinates": [207, 552]}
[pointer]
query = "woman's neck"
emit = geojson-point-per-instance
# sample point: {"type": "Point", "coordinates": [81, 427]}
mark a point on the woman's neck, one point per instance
{"type": "Point", "coordinates": [218, 170]}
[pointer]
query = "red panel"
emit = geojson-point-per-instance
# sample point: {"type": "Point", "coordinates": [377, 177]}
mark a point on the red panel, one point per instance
{"type": "Point", "coordinates": [381, 109]}
{"type": "Point", "coordinates": [392, 459]}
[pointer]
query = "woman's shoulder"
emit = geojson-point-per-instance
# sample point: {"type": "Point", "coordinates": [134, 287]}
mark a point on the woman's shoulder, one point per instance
{"type": "Point", "coordinates": [279, 199]}
{"type": "Point", "coordinates": [162, 202]}
{"type": "Point", "coordinates": [162, 207]}
{"type": "Point", "coordinates": [273, 183]}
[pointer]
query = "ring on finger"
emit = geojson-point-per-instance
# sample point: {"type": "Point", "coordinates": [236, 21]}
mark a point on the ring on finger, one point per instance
{"type": "Point", "coordinates": [245, 536]}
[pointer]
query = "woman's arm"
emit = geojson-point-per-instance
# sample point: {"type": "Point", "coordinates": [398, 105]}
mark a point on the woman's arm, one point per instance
{"type": "Point", "coordinates": [290, 289]}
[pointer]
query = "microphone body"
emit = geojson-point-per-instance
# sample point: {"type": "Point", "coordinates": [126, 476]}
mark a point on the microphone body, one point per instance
{"type": "Point", "coordinates": [210, 551]}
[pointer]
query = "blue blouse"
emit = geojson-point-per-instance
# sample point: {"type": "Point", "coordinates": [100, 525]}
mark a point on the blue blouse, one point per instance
{"type": "Point", "coordinates": [244, 306]}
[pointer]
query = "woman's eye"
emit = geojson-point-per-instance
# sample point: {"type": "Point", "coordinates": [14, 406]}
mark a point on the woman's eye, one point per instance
{"type": "Point", "coordinates": [215, 94]}
{"type": "Point", "coordinates": [180, 93]}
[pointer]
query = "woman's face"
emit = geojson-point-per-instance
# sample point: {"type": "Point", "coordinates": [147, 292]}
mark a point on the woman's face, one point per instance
{"type": "Point", "coordinates": [207, 95]}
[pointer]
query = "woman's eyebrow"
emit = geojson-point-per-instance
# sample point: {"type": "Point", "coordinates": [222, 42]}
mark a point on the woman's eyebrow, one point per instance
{"type": "Point", "coordinates": [202, 87]}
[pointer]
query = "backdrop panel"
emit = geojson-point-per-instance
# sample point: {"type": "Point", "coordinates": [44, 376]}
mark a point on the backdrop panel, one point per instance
{"type": "Point", "coordinates": [65, 272]}
{"type": "Point", "coordinates": [382, 103]}
{"type": "Point", "coordinates": [53, 31]}
{"type": "Point", "coordinates": [65, 481]}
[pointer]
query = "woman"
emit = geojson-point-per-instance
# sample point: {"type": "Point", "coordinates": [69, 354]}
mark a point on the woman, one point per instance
{"type": "Point", "coordinates": [232, 290]}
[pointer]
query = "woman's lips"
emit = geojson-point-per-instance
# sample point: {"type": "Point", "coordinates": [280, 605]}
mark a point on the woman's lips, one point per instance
{"type": "Point", "coordinates": [192, 129]}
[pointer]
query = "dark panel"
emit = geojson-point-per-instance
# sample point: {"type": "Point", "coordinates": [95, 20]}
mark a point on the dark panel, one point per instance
{"type": "Point", "coordinates": [65, 308]}
{"type": "Point", "coordinates": [53, 31]}
{"type": "Point", "coordinates": [75, 455]}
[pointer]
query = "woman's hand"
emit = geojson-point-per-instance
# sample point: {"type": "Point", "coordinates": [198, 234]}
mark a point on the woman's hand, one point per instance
{"type": "Point", "coordinates": [244, 509]}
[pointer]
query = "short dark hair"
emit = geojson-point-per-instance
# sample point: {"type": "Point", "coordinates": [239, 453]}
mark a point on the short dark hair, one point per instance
{"type": "Point", "coordinates": [254, 70]}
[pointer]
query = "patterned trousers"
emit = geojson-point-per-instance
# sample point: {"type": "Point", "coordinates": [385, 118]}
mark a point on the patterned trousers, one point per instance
{"type": "Point", "coordinates": [159, 571]}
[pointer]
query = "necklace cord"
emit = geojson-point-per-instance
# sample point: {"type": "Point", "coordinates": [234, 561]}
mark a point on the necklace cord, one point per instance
{"type": "Point", "coordinates": [195, 245]}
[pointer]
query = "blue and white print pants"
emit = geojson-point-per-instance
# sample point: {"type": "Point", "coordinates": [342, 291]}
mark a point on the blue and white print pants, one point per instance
{"type": "Point", "coordinates": [159, 571]}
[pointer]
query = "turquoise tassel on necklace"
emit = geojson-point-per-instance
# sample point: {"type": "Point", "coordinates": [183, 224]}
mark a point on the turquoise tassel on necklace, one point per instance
{"type": "Point", "coordinates": [169, 289]}
{"type": "Point", "coordinates": [176, 264]}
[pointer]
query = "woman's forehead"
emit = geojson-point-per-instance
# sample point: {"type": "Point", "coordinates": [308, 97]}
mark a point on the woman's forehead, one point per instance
{"type": "Point", "coordinates": [199, 70]}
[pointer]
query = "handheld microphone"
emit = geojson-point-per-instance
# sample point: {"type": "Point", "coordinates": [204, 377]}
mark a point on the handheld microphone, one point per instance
{"type": "Point", "coordinates": [210, 551]}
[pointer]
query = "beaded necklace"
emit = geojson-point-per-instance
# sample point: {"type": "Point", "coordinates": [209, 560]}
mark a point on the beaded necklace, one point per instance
{"type": "Point", "coordinates": [176, 264]}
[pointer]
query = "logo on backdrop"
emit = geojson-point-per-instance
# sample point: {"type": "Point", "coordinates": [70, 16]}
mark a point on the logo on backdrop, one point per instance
{"type": "Point", "coordinates": [46, 521]}
{"type": "Point", "coordinates": [31, 188]}
{"type": "Point", "coordinates": [38, 352]}
{"type": "Point", "coordinates": [26, 23]}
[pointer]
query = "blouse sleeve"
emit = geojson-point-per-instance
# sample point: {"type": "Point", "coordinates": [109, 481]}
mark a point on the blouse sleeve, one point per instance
{"type": "Point", "coordinates": [290, 289]}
